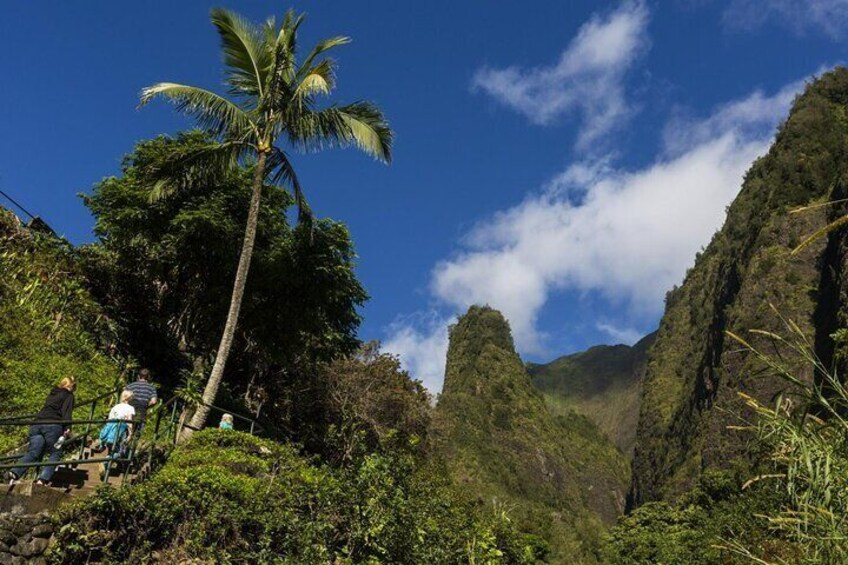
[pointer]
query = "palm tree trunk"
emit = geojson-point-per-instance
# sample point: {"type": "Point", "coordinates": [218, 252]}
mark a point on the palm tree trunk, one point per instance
{"type": "Point", "coordinates": [198, 420]}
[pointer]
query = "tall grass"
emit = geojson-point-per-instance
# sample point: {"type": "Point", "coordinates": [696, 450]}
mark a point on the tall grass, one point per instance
{"type": "Point", "coordinates": [805, 434]}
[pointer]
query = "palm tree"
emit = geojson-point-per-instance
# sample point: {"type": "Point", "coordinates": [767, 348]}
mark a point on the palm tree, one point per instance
{"type": "Point", "coordinates": [272, 100]}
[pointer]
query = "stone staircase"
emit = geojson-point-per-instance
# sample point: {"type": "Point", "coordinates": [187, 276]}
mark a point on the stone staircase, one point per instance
{"type": "Point", "coordinates": [69, 482]}
{"type": "Point", "coordinates": [80, 476]}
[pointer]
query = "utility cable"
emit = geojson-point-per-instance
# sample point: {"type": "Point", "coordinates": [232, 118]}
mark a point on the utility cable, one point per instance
{"type": "Point", "coordinates": [13, 201]}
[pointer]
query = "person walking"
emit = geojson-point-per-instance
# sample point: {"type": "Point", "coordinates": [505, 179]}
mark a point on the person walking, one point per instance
{"type": "Point", "coordinates": [143, 397]}
{"type": "Point", "coordinates": [44, 437]}
{"type": "Point", "coordinates": [116, 433]}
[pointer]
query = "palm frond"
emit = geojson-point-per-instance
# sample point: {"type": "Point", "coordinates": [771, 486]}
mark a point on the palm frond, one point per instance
{"type": "Point", "coordinates": [288, 31]}
{"type": "Point", "coordinates": [280, 170]}
{"type": "Point", "coordinates": [834, 225]}
{"type": "Point", "coordinates": [360, 124]}
{"type": "Point", "coordinates": [369, 129]}
{"type": "Point", "coordinates": [318, 50]}
{"type": "Point", "coordinates": [242, 43]}
{"type": "Point", "coordinates": [186, 166]}
{"type": "Point", "coordinates": [212, 111]}
{"type": "Point", "coordinates": [816, 206]}
{"type": "Point", "coordinates": [281, 49]}
{"type": "Point", "coordinates": [320, 79]}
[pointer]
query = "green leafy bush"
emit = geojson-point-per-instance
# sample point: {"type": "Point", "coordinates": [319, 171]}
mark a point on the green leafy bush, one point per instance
{"type": "Point", "coordinates": [352, 406]}
{"type": "Point", "coordinates": [697, 528]}
{"type": "Point", "coordinates": [231, 497]}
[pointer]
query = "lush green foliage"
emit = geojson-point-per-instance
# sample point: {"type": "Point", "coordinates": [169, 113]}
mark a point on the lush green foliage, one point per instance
{"type": "Point", "coordinates": [354, 405]}
{"type": "Point", "coordinates": [164, 270]}
{"type": "Point", "coordinates": [230, 497]}
{"type": "Point", "coordinates": [50, 327]}
{"type": "Point", "coordinates": [698, 528]}
{"type": "Point", "coordinates": [792, 510]}
{"type": "Point", "coordinates": [603, 383]}
{"type": "Point", "coordinates": [559, 475]}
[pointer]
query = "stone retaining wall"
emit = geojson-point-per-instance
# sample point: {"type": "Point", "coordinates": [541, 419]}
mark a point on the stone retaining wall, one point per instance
{"type": "Point", "coordinates": [24, 538]}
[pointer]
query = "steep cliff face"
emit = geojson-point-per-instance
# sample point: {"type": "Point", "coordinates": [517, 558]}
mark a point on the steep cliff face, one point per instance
{"type": "Point", "coordinates": [694, 373]}
{"type": "Point", "coordinates": [559, 475]}
{"type": "Point", "coordinates": [604, 383]}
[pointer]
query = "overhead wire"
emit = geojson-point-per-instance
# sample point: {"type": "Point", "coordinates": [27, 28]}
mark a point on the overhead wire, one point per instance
{"type": "Point", "coordinates": [17, 204]}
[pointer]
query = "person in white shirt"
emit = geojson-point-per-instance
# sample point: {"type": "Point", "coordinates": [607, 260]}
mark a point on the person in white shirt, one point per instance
{"type": "Point", "coordinates": [123, 410]}
{"type": "Point", "coordinates": [114, 433]}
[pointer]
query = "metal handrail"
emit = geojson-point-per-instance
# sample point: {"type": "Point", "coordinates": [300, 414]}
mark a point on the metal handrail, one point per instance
{"type": "Point", "coordinates": [170, 433]}
{"type": "Point", "coordinates": [71, 462]}
{"type": "Point", "coordinates": [7, 422]}
{"type": "Point", "coordinates": [255, 427]}
{"type": "Point", "coordinates": [92, 401]}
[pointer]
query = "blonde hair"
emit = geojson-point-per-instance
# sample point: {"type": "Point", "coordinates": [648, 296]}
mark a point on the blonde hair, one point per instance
{"type": "Point", "coordinates": [126, 396]}
{"type": "Point", "coordinates": [227, 418]}
{"type": "Point", "coordinates": [67, 383]}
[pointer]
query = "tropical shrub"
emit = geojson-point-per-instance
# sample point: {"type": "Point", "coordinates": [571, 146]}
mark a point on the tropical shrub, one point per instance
{"type": "Point", "coordinates": [694, 530]}
{"type": "Point", "coordinates": [230, 497]}
{"type": "Point", "coordinates": [354, 405]}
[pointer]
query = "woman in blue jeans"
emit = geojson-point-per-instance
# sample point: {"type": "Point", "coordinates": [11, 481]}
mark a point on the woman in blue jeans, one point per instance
{"type": "Point", "coordinates": [59, 408]}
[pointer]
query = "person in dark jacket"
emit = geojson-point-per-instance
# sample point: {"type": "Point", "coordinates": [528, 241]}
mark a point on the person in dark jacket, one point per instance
{"type": "Point", "coordinates": [58, 408]}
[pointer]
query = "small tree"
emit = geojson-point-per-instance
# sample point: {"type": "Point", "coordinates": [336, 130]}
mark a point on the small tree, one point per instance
{"type": "Point", "coordinates": [272, 101]}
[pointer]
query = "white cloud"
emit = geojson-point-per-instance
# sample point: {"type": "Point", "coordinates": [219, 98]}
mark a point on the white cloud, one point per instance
{"type": "Point", "coordinates": [827, 16]}
{"type": "Point", "coordinates": [628, 336]}
{"type": "Point", "coordinates": [751, 117]}
{"type": "Point", "coordinates": [627, 235]}
{"type": "Point", "coordinates": [631, 237]}
{"type": "Point", "coordinates": [588, 79]}
{"type": "Point", "coordinates": [421, 342]}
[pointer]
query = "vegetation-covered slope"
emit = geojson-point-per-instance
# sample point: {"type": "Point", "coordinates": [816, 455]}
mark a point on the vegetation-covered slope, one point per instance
{"type": "Point", "coordinates": [558, 473]}
{"type": "Point", "coordinates": [604, 383]}
{"type": "Point", "coordinates": [50, 327]}
{"type": "Point", "coordinates": [228, 497]}
{"type": "Point", "coordinates": [694, 372]}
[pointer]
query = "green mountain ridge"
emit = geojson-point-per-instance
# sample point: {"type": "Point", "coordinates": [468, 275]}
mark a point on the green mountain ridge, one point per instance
{"type": "Point", "coordinates": [561, 476]}
{"type": "Point", "coordinates": [747, 279]}
{"type": "Point", "coordinates": [603, 383]}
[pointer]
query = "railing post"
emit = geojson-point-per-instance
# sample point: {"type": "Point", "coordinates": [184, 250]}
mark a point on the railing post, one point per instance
{"type": "Point", "coordinates": [173, 418]}
{"type": "Point", "coordinates": [108, 468]}
{"type": "Point", "coordinates": [131, 454]}
{"type": "Point", "coordinates": [111, 460]}
{"type": "Point", "coordinates": [156, 427]}
{"type": "Point", "coordinates": [155, 440]}
{"type": "Point", "coordinates": [87, 429]}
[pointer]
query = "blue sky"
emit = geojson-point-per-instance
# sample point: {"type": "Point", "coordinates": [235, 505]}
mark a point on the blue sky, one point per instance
{"type": "Point", "coordinates": [562, 163]}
